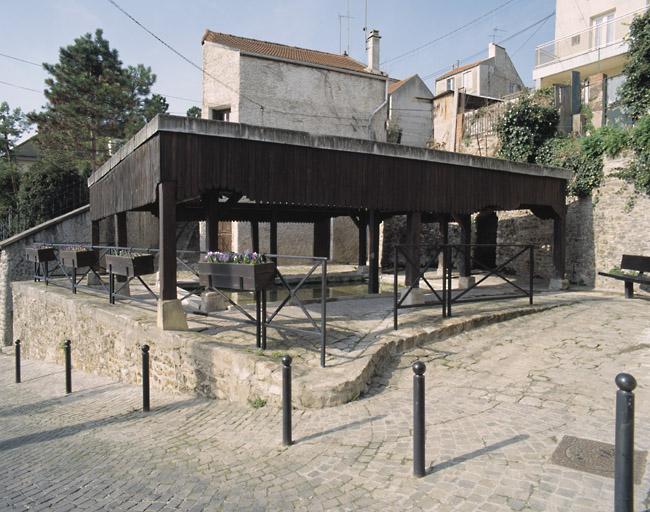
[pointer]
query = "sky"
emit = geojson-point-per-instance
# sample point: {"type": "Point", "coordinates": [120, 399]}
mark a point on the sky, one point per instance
{"type": "Point", "coordinates": [34, 30]}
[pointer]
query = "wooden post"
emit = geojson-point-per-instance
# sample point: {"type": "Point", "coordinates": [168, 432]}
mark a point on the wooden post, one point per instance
{"type": "Point", "coordinates": [273, 235]}
{"type": "Point", "coordinates": [212, 224]}
{"type": "Point", "coordinates": [167, 219]}
{"type": "Point", "coordinates": [373, 271]}
{"type": "Point", "coordinates": [363, 240]}
{"type": "Point", "coordinates": [255, 235]}
{"type": "Point", "coordinates": [443, 222]}
{"type": "Point", "coordinates": [120, 230]}
{"type": "Point", "coordinates": [413, 232]}
{"type": "Point", "coordinates": [94, 232]}
{"type": "Point", "coordinates": [322, 233]}
{"type": "Point", "coordinates": [465, 222]}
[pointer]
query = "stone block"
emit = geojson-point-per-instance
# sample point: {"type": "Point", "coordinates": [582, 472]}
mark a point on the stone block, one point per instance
{"type": "Point", "coordinates": [416, 296]}
{"type": "Point", "coordinates": [556, 284]}
{"type": "Point", "coordinates": [171, 316]}
{"type": "Point", "coordinates": [213, 301]}
{"type": "Point", "coordinates": [466, 281]}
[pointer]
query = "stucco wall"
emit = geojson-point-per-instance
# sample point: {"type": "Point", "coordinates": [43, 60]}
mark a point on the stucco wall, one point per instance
{"type": "Point", "coordinates": [411, 112]}
{"type": "Point", "coordinates": [310, 99]}
{"type": "Point", "coordinates": [222, 63]}
{"type": "Point", "coordinates": [572, 16]}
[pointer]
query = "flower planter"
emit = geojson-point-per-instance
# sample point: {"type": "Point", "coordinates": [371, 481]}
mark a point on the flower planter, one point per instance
{"type": "Point", "coordinates": [237, 276]}
{"type": "Point", "coordinates": [130, 266]}
{"type": "Point", "coordinates": [78, 258]}
{"type": "Point", "coordinates": [40, 255]}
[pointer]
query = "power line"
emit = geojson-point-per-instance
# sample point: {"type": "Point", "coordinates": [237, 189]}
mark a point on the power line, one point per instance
{"type": "Point", "coordinates": [531, 36]}
{"type": "Point", "coordinates": [186, 59]}
{"type": "Point", "coordinates": [518, 33]}
{"type": "Point", "coordinates": [451, 32]}
{"type": "Point", "coordinates": [25, 61]}
{"type": "Point", "coordinates": [20, 87]}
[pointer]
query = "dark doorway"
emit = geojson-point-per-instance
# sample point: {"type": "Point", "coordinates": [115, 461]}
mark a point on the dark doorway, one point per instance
{"type": "Point", "coordinates": [486, 233]}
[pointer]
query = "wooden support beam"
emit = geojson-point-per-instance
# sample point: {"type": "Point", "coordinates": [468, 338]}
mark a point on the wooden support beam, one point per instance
{"type": "Point", "coordinates": [465, 223]}
{"type": "Point", "coordinates": [120, 230]}
{"type": "Point", "coordinates": [255, 235]}
{"type": "Point", "coordinates": [363, 240]}
{"type": "Point", "coordinates": [413, 235]}
{"type": "Point", "coordinates": [273, 235]}
{"type": "Point", "coordinates": [212, 223]}
{"type": "Point", "coordinates": [322, 233]}
{"type": "Point", "coordinates": [373, 271]}
{"type": "Point", "coordinates": [94, 232]}
{"type": "Point", "coordinates": [167, 254]}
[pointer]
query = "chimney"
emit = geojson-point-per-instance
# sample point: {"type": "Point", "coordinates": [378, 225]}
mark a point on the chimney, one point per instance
{"type": "Point", "coordinates": [494, 49]}
{"type": "Point", "coordinates": [372, 45]}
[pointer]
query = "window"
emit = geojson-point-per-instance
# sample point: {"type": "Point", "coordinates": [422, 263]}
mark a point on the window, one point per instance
{"type": "Point", "coordinates": [450, 84]}
{"type": "Point", "coordinates": [220, 114]}
{"type": "Point", "coordinates": [468, 82]}
{"type": "Point", "coordinates": [575, 40]}
{"type": "Point", "coordinates": [602, 29]}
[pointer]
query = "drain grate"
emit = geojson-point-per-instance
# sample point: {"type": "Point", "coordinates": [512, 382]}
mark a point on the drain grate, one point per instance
{"type": "Point", "coordinates": [593, 457]}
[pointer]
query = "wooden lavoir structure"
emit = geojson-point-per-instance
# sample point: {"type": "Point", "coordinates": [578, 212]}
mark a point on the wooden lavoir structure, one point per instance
{"type": "Point", "coordinates": [194, 169]}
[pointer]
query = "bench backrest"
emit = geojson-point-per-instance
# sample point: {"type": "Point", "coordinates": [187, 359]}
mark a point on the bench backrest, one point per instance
{"type": "Point", "coordinates": [639, 263]}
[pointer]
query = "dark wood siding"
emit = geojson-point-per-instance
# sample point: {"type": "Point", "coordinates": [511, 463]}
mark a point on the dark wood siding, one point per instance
{"type": "Point", "coordinates": [284, 174]}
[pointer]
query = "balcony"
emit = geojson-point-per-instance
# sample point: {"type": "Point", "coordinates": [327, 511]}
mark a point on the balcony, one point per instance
{"type": "Point", "coordinates": [606, 37]}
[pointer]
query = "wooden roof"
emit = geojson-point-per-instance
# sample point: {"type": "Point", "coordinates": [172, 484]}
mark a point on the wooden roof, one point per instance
{"type": "Point", "coordinates": [285, 170]}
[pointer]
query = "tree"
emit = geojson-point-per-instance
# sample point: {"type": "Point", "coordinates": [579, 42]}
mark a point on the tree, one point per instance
{"type": "Point", "coordinates": [194, 112]}
{"type": "Point", "coordinates": [13, 124]}
{"type": "Point", "coordinates": [92, 102]}
{"type": "Point", "coordinates": [635, 92]}
{"type": "Point", "coordinates": [49, 189]}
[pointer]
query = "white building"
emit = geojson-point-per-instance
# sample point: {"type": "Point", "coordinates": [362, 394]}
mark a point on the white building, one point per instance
{"type": "Point", "coordinates": [494, 77]}
{"type": "Point", "coordinates": [270, 84]}
{"type": "Point", "coordinates": [588, 52]}
{"type": "Point", "coordinates": [410, 112]}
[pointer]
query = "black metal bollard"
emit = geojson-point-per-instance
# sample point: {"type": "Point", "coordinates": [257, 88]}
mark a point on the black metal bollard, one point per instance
{"type": "Point", "coordinates": [286, 401]}
{"type": "Point", "coordinates": [145, 378]}
{"type": "Point", "coordinates": [17, 361]}
{"type": "Point", "coordinates": [419, 435]}
{"type": "Point", "coordinates": [68, 366]}
{"type": "Point", "coordinates": [624, 451]}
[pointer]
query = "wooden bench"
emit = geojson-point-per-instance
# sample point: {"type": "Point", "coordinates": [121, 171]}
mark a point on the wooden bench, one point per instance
{"type": "Point", "coordinates": [639, 264]}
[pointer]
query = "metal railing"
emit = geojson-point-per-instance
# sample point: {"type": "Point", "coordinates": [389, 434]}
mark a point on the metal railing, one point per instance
{"type": "Point", "coordinates": [446, 298]}
{"type": "Point", "coordinates": [595, 37]}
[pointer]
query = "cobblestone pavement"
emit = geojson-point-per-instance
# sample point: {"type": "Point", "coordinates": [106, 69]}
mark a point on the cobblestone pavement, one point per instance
{"type": "Point", "coordinates": [499, 399]}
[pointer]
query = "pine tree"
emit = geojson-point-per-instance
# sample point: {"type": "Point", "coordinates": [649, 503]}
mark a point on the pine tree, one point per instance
{"type": "Point", "coordinates": [93, 103]}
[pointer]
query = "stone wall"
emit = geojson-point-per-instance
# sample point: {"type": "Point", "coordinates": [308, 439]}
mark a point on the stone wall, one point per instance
{"type": "Point", "coordinates": [108, 341]}
{"type": "Point", "coordinates": [599, 231]}
{"type": "Point", "coordinates": [73, 227]}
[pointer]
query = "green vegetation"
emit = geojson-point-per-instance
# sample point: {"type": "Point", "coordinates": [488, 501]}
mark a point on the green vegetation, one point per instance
{"type": "Point", "coordinates": [257, 403]}
{"type": "Point", "coordinates": [525, 126]}
{"type": "Point", "coordinates": [193, 112]}
{"type": "Point", "coordinates": [635, 92]}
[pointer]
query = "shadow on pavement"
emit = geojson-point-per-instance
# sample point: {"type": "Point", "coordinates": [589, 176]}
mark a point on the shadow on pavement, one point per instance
{"type": "Point", "coordinates": [476, 453]}
{"type": "Point", "coordinates": [339, 428]}
{"type": "Point", "coordinates": [70, 430]}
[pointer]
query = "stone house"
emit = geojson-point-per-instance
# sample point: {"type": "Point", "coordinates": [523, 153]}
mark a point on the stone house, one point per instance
{"type": "Point", "coordinates": [585, 60]}
{"type": "Point", "coordinates": [494, 77]}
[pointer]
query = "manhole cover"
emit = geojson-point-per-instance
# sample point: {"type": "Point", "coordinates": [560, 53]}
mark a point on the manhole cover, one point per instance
{"type": "Point", "coordinates": [593, 457]}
